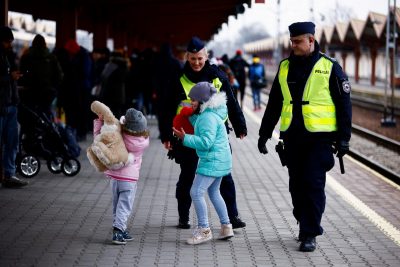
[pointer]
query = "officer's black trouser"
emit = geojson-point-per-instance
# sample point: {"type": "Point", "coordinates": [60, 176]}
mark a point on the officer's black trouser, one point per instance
{"type": "Point", "coordinates": [228, 193]}
{"type": "Point", "coordinates": [187, 158]}
{"type": "Point", "coordinates": [188, 162]}
{"type": "Point", "coordinates": [308, 163]}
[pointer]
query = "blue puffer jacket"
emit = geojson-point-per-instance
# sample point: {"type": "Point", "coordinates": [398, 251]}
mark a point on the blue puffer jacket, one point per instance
{"type": "Point", "coordinates": [210, 138]}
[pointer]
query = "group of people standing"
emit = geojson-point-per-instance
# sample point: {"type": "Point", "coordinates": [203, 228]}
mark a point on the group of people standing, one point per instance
{"type": "Point", "coordinates": [238, 71]}
{"type": "Point", "coordinates": [310, 95]}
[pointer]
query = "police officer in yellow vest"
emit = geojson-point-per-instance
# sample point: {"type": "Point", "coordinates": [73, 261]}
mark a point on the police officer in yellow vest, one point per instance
{"type": "Point", "coordinates": [311, 97]}
{"type": "Point", "coordinates": [198, 69]}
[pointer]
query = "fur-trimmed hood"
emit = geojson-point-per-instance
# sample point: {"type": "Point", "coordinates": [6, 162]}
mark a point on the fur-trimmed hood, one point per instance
{"type": "Point", "coordinates": [217, 103]}
{"type": "Point", "coordinates": [210, 138]}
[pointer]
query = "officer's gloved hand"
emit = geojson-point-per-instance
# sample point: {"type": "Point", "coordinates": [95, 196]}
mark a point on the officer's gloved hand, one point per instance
{"type": "Point", "coordinates": [261, 145]}
{"type": "Point", "coordinates": [342, 148]}
{"type": "Point", "coordinates": [171, 154]}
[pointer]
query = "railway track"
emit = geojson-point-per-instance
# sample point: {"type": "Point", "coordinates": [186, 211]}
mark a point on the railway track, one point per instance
{"type": "Point", "coordinates": [372, 104]}
{"type": "Point", "coordinates": [383, 155]}
{"type": "Point", "coordinates": [376, 151]}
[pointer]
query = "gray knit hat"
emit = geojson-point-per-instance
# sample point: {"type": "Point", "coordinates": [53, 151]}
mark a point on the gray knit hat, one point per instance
{"type": "Point", "coordinates": [202, 92]}
{"type": "Point", "coordinates": [135, 121]}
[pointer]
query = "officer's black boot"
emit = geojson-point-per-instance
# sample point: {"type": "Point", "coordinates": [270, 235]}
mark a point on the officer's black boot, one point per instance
{"type": "Point", "coordinates": [237, 222]}
{"type": "Point", "coordinates": [308, 244]}
{"type": "Point", "coordinates": [183, 225]}
{"type": "Point", "coordinates": [301, 237]}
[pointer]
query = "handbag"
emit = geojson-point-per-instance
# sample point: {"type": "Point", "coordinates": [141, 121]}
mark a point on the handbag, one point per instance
{"type": "Point", "coordinates": [259, 83]}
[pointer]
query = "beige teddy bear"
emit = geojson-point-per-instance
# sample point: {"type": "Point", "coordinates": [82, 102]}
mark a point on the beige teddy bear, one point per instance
{"type": "Point", "coordinates": [108, 151]}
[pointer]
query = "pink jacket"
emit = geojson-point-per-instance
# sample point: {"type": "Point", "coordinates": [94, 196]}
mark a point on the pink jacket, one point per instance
{"type": "Point", "coordinates": [135, 146]}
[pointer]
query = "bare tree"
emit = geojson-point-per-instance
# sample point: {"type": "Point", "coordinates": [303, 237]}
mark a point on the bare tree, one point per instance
{"type": "Point", "coordinates": [340, 13]}
{"type": "Point", "coordinates": [250, 33]}
{"type": "Point", "coordinates": [246, 34]}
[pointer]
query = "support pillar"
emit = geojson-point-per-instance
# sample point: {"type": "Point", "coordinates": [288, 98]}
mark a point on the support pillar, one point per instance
{"type": "Point", "coordinates": [133, 43]}
{"type": "Point", "coordinates": [344, 57]}
{"type": "Point", "coordinates": [4, 14]}
{"type": "Point", "coordinates": [357, 55]}
{"type": "Point", "coordinates": [120, 40]}
{"type": "Point", "coordinates": [66, 26]}
{"type": "Point", "coordinates": [100, 34]}
{"type": "Point", "coordinates": [374, 54]}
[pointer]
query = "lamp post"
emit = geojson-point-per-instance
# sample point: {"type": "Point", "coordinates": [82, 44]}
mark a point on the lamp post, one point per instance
{"type": "Point", "coordinates": [388, 119]}
{"type": "Point", "coordinates": [278, 50]}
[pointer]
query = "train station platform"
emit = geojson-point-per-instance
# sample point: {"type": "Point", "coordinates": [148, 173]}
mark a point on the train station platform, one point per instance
{"type": "Point", "coordinates": [66, 221]}
{"type": "Point", "coordinates": [379, 92]}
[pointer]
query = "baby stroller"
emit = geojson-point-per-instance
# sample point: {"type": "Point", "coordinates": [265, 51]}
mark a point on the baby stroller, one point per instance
{"type": "Point", "coordinates": [40, 137]}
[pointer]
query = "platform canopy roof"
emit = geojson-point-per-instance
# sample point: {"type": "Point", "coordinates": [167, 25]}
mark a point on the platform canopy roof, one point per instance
{"type": "Point", "coordinates": [153, 21]}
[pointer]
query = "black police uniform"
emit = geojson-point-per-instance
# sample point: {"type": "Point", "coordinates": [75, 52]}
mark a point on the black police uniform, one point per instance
{"type": "Point", "coordinates": [187, 157]}
{"type": "Point", "coordinates": [236, 117]}
{"type": "Point", "coordinates": [309, 155]}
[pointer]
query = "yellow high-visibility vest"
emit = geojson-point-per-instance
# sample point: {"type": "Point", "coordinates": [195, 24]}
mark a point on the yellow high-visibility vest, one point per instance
{"type": "Point", "coordinates": [187, 86]}
{"type": "Point", "coordinates": [318, 109]}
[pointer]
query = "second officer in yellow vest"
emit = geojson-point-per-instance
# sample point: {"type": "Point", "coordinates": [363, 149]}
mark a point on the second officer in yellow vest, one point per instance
{"type": "Point", "coordinates": [311, 97]}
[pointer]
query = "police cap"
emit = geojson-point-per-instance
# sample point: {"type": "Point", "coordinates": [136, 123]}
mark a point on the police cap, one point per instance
{"type": "Point", "coordinates": [195, 45]}
{"type": "Point", "coordinates": [300, 28]}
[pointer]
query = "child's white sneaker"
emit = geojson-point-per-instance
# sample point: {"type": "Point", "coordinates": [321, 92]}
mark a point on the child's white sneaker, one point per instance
{"type": "Point", "coordinates": [226, 232]}
{"type": "Point", "coordinates": [200, 235]}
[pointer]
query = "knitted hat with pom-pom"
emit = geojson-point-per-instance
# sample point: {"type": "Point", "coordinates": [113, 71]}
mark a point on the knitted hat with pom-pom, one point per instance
{"type": "Point", "coordinates": [135, 121]}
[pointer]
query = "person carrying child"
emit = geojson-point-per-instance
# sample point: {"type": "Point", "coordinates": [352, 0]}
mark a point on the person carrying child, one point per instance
{"type": "Point", "coordinates": [124, 181]}
{"type": "Point", "coordinates": [210, 141]}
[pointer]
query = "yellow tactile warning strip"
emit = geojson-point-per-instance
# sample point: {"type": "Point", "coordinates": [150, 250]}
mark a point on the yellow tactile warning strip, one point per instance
{"type": "Point", "coordinates": [386, 227]}
{"type": "Point", "coordinates": [380, 176]}
{"type": "Point", "coordinates": [383, 225]}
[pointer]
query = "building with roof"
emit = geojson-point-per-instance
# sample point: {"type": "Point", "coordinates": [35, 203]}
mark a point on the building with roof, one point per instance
{"type": "Point", "coordinates": [358, 45]}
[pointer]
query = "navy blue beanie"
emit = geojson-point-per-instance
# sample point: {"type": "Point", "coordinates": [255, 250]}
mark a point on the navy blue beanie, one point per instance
{"type": "Point", "coordinates": [300, 28]}
{"type": "Point", "coordinates": [195, 45]}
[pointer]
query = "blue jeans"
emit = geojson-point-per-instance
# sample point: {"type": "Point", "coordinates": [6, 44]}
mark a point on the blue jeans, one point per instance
{"type": "Point", "coordinates": [9, 139]}
{"type": "Point", "coordinates": [256, 92]}
{"type": "Point", "coordinates": [202, 183]}
{"type": "Point", "coordinates": [123, 195]}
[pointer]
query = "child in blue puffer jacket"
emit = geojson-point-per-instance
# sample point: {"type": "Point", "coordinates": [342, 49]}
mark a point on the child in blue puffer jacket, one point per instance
{"type": "Point", "coordinates": [210, 140]}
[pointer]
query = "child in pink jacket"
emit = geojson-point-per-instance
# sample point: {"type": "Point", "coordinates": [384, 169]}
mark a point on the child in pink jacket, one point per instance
{"type": "Point", "coordinates": [124, 181]}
